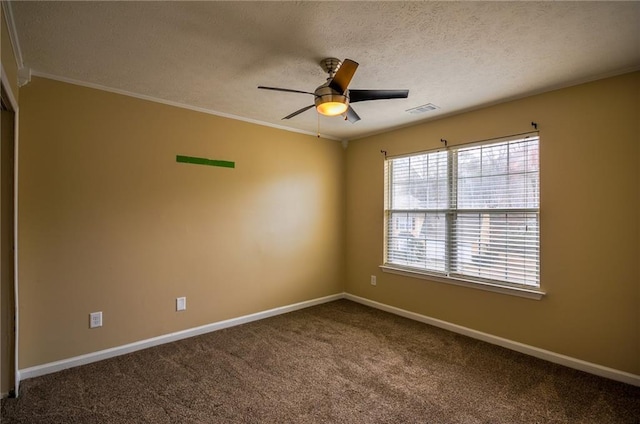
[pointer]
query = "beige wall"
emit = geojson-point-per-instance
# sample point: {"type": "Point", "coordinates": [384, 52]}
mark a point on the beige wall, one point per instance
{"type": "Point", "coordinates": [110, 222]}
{"type": "Point", "coordinates": [590, 198]}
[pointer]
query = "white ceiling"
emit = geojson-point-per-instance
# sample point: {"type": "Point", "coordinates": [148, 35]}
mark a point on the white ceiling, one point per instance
{"type": "Point", "coordinates": [213, 55]}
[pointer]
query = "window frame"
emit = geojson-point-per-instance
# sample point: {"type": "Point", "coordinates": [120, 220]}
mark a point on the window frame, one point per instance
{"type": "Point", "coordinates": [449, 275]}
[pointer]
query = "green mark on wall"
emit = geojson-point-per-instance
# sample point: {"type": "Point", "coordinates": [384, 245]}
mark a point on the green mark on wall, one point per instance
{"type": "Point", "coordinates": [204, 161]}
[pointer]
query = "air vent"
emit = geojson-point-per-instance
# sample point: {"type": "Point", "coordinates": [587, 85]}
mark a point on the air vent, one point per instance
{"type": "Point", "coordinates": [422, 109]}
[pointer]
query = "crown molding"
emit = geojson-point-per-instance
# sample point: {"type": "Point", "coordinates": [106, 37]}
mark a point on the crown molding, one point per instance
{"type": "Point", "coordinates": [13, 34]}
{"type": "Point", "coordinates": [175, 104]}
{"type": "Point", "coordinates": [24, 76]}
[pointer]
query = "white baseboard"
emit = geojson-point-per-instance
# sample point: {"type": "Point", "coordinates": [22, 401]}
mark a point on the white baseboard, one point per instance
{"type": "Point", "coordinates": [56, 366]}
{"type": "Point", "coordinates": [547, 355]}
{"type": "Point", "coordinates": [557, 358]}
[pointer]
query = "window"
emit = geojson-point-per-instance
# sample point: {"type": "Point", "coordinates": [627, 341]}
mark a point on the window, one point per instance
{"type": "Point", "coordinates": [467, 213]}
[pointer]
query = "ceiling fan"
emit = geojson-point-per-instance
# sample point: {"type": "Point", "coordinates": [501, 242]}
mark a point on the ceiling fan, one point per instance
{"type": "Point", "coordinates": [333, 98]}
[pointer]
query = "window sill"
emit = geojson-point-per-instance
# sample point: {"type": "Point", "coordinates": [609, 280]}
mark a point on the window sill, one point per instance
{"type": "Point", "coordinates": [528, 293]}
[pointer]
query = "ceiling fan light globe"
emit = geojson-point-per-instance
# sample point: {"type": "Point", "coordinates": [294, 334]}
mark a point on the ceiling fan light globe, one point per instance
{"type": "Point", "coordinates": [332, 108]}
{"type": "Point", "coordinates": [332, 105]}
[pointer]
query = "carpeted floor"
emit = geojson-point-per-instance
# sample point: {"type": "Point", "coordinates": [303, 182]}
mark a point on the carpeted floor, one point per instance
{"type": "Point", "coordinates": [339, 362]}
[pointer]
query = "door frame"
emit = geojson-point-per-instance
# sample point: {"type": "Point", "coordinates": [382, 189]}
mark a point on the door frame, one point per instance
{"type": "Point", "coordinates": [13, 103]}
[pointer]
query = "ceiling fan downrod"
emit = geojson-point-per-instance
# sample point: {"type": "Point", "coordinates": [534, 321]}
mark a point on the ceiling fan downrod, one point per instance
{"type": "Point", "coordinates": [330, 65]}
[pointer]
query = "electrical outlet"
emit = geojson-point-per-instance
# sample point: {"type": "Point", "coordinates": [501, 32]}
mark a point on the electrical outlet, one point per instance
{"type": "Point", "coordinates": [181, 303]}
{"type": "Point", "coordinates": [374, 280]}
{"type": "Point", "coordinates": [95, 319]}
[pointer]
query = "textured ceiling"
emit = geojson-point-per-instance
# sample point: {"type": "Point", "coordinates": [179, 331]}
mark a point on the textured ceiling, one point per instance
{"type": "Point", "coordinates": [213, 55]}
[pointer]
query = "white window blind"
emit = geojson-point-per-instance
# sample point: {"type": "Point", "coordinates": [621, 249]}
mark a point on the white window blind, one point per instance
{"type": "Point", "coordinates": [469, 212]}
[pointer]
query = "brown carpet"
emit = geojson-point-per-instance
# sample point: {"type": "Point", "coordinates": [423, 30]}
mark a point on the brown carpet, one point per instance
{"type": "Point", "coordinates": [339, 362]}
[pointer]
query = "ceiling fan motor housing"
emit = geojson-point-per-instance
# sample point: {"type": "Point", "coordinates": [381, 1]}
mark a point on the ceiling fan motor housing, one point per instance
{"type": "Point", "coordinates": [329, 101]}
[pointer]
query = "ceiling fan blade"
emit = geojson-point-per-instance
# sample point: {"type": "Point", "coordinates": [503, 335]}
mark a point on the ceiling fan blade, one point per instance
{"type": "Point", "coordinates": [362, 95]}
{"type": "Point", "coordinates": [288, 90]}
{"type": "Point", "coordinates": [298, 112]}
{"type": "Point", "coordinates": [352, 116]}
{"type": "Point", "coordinates": [342, 78]}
